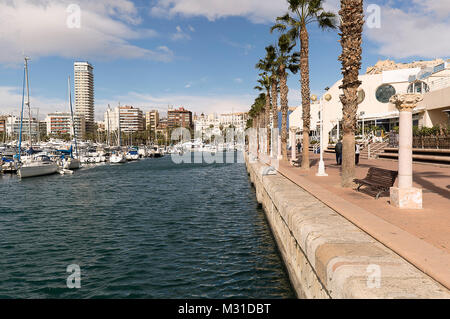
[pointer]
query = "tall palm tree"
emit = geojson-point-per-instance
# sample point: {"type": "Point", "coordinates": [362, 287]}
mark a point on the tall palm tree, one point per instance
{"type": "Point", "coordinates": [285, 61]}
{"type": "Point", "coordinates": [352, 21]}
{"type": "Point", "coordinates": [304, 12]}
{"type": "Point", "coordinates": [264, 84]}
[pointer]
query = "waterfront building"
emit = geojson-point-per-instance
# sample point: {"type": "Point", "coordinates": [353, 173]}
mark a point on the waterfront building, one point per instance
{"type": "Point", "coordinates": [3, 124]}
{"type": "Point", "coordinates": [179, 118]}
{"type": "Point", "coordinates": [84, 96]}
{"type": "Point", "coordinates": [131, 119]}
{"type": "Point", "coordinates": [59, 123]}
{"type": "Point", "coordinates": [13, 127]}
{"type": "Point", "coordinates": [379, 84]}
{"type": "Point", "coordinates": [151, 120]}
{"type": "Point", "coordinates": [80, 126]}
{"type": "Point", "coordinates": [237, 120]}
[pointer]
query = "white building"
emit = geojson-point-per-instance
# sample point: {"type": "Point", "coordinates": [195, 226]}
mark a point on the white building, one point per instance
{"type": "Point", "coordinates": [84, 96]}
{"type": "Point", "coordinates": [131, 119]}
{"type": "Point", "coordinates": [59, 123]}
{"type": "Point", "coordinates": [379, 84]}
{"type": "Point", "coordinates": [13, 127]}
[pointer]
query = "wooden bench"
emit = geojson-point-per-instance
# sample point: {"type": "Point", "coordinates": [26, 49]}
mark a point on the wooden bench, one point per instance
{"type": "Point", "coordinates": [378, 179]}
{"type": "Point", "coordinates": [297, 161]}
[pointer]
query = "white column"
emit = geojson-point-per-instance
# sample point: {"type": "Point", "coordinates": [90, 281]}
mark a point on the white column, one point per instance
{"type": "Point", "coordinates": [405, 195]}
{"type": "Point", "coordinates": [293, 145]}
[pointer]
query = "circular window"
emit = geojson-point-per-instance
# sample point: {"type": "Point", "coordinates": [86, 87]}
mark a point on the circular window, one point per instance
{"type": "Point", "coordinates": [361, 96]}
{"type": "Point", "coordinates": [418, 87]}
{"type": "Point", "coordinates": [384, 93]}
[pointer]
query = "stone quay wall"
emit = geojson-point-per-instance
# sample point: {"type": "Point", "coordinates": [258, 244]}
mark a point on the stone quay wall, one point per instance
{"type": "Point", "coordinates": [326, 255]}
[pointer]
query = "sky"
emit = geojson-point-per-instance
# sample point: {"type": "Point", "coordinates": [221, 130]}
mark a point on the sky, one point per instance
{"type": "Point", "coordinates": [199, 54]}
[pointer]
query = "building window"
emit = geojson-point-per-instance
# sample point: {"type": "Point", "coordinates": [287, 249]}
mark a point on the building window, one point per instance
{"type": "Point", "coordinates": [418, 87]}
{"type": "Point", "coordinates": [384, 93]}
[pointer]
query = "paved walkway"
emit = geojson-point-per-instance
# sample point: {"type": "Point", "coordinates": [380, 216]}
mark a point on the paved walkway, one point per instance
{"type": "Point", "coordinates": [420, 236]}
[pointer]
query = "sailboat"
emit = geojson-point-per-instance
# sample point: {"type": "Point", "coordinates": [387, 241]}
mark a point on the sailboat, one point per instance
{"type": "Point", "coordinates": [71, 162]}
{"type": "Point", "coordinates": [117, 157]}
{"type": "Point", "coordinates": [34, 164]}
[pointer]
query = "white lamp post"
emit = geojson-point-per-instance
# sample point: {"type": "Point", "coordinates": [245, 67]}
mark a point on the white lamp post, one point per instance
{"type": "Point", "coordinates": [321, 170]}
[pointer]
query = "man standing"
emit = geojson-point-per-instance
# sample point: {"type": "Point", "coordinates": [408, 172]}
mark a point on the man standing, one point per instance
{"type": "Point", "coordinates": [299, 147]}
{"type": "Point", "coordinates": [338, 149]}
{"type": "Point", "coordinates": [357, 151]}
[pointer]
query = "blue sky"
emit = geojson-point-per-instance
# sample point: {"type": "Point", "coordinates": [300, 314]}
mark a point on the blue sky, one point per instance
{"type": "Point", "coordinates": [199, 54]}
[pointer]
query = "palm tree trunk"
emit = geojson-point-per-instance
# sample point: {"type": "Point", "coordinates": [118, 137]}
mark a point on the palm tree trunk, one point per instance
{"type": "Point", "coordinates": [274, 88]}
{"type": "Point", "coordinates": [267, 120]}
{"type": "Point", "coordinates": [351, 39]}
{"type": "Point", "coordinates": [284, 90]}
{"type": "Point", "coordinates": [306, 94]}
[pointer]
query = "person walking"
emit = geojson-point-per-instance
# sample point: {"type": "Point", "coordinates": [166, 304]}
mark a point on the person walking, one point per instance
{"type": "Point", "coordinates": [357, 151]}
{"type": "Point", "coordinates": [338, 149]}
{"type": "Point", "coordinates": [299, 147]}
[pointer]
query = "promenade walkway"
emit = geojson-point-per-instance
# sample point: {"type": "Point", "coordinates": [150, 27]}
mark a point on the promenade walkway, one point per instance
{"type": "Point", "coordinates": [420, 236]}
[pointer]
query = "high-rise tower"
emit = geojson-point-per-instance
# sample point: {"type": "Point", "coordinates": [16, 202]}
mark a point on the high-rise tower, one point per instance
{"type": "Point", "coordinates": [84, 97]}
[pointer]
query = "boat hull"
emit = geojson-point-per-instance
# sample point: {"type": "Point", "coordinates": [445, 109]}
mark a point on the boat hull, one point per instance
{"type": "Point", "coordinates": [37, 170]}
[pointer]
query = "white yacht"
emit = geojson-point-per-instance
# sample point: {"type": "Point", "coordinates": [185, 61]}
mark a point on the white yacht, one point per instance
{"type": "Point", "coordinates": [117, 158]}
{"type": "Point", "coordinates": [37, 165]}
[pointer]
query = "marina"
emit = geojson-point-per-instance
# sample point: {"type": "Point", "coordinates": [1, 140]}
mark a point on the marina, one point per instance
{"type": "Point", "coordinates": [146, 229]}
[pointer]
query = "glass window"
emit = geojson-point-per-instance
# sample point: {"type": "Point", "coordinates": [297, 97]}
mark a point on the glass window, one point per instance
{"type": "Point", "coordinates": [418, 87]}
{"type": "Point", "coordinates": [384, 93]}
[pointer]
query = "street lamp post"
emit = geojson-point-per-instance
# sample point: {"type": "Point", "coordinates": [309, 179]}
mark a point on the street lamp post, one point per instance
{"type": "Point", "coordinates": [321, 170]}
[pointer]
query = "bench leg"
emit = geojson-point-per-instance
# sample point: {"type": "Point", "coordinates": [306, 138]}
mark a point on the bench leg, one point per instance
{"type": "Point", "coordinates": [379, 193]}
{"type": "Point", "coordinates": [359, 187]}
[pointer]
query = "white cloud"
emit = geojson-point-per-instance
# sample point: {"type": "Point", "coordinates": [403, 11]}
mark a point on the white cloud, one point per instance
{"type": "Point", "coordinates": [422, 30]}
{"type": "Point", "coordinates": [180, 34]}
{"type": "Point", "coordinates": [39, 28]}
{"type": "Point", "coordinates": [11, 101]}
{"type": "Point", "coordinates": [256, 11]}
{"type": "Point", "coordinates": [238, 80]}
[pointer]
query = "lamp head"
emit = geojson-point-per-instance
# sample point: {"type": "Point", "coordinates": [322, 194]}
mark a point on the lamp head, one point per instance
{"type": "Point", "coordinates": [328, 97]}
{"type": "Point", "coordinates": [314, 98]}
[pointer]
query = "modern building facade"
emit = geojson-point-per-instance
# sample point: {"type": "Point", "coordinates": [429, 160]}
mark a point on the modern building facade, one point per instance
{"type": "Point", "coordinates": [379, 84]}
{"type": "Point", "coordinates": [59, 123]}
{"type": "Point", "coordinates": [151, 120]}
{"type": "Point", "coordinates": [84, 96]}
{"type": "Point", "coordinates": [179, 118]}
{"type": "Point", "coordinates": [13, 127]}
{"type": "Point", "coordinates": [131, 119]}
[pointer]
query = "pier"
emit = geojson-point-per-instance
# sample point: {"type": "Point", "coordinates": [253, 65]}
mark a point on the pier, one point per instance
{"type": "Point", "coordinates": [337, 243]}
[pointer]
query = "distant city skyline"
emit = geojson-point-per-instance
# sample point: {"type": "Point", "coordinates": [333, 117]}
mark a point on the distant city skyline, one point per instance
{"type": "Point", "coordinates": [182, 53]}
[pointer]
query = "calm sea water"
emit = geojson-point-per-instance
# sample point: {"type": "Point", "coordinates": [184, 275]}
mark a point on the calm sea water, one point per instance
{"type": "Point", "coordinates": [146, 229]}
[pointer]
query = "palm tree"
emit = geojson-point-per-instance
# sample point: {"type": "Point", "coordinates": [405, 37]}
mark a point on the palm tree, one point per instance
{"type": "Point", "coordinates": [285, 61]}
{"type": "Point", "coordinates": [305, 12]}
{"type": "Point", "coordinates": [256, 112]}
{"type": "Point", "coordinates": [264, 84]}
{"type": "Point", "coordinates": [352, 21]}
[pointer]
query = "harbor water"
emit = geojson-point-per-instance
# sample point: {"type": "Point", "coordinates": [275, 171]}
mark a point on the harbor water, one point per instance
{"type": "Point", "coordinates": [145, 229]}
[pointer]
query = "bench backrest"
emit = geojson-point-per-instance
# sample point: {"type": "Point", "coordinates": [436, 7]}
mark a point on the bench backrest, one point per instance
{"type": "Point", "coordinates": [382, 176]}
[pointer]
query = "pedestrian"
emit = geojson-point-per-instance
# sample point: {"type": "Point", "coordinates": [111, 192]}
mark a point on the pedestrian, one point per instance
{"type": "Point", "coordinates": [299, 147]}
{"type": "Point", "coordinates": [338, 150]}
{"type": "Point", "coordinates": [357, 151]}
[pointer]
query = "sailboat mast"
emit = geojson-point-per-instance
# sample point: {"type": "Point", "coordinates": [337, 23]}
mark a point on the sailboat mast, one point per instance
{"type": "Point", "coordinates": [118, 117]}
{"type": "Point", "coordinates": [71, 114]}
{"type": "Point", "coordinates": [28, 100]}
